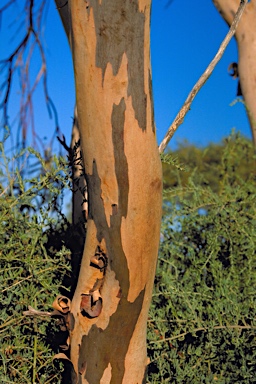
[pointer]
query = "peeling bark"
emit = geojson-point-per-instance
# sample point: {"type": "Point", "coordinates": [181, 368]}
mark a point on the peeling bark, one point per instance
{"type": "Point", "coordinates": [110, 47]}
{"type": "Point", "coordinates": [246, 42]}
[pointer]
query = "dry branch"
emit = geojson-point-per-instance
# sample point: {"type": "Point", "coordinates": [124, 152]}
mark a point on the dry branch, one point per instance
{"type": "Point", "coordinates": [202, 329]}
{"type": "Point", "coordinates": [34, 312]}
{"type": "Point", "coordinates": [202, 80]}
{"type": "Point", "coordinates": [20, 60]}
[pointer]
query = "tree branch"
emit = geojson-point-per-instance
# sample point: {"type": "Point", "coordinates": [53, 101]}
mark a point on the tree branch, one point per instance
{"type": "Point", "coordinates": [227, 9]}
{"type": "Point", "coordinates": [34, 312]}
{"type": "Point", "coordinates": [6, 6]}
{"type": "Point", "coordinates": [205, 76]}
{"type": "Point", "coordinates": [62, 7]}
{"type": "Point", "coordinates": [204, 329]}
{"type": "Point", "coordinates": [20, 60]}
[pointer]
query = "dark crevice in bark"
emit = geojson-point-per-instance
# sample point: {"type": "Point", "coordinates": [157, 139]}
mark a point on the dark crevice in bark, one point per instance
{"type": "Point", "coordinates": [120, 29]}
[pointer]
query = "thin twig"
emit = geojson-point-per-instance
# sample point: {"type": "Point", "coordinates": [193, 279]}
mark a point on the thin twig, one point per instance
{"type": "Point", "coordinates": [205, 329]}
{"type": "Point", "coordinates": [205, 76]}
{"type": "Point", "coordinates": [34, 312]}
{"type": "Point", "coordinates": [20, 60]}
{"type": "Point", "coordinates": [6, 5]}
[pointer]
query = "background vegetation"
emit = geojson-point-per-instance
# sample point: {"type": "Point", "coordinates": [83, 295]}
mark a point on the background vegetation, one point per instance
{"type": "Point", "coordinates": [33, 267]}
{"type": "Point", "coordinates": [202, 319]}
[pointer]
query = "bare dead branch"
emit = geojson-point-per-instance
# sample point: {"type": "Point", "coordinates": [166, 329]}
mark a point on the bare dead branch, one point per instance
{"type": "Point", "coordinates": [6, 5]}
{"type": "Point", "coordinates": [10, 63]}
{"type": "Point", "coordinates": [20, 61]}
{"type": "Point", "coordinates": [203, 329]}
{"type": "Point", "coordinates": [202, 80]}
{"type": "Point", "coordinates": [34, 312]}
{"type": "Point", "coordinates": [64, 144]}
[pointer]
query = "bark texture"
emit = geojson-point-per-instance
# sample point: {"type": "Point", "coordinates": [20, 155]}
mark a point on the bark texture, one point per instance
{"type": "Point", "coordinates": [246, 42]}
{"type": "Point", "coordinates": [79, 197]}
{"type": "Point", "coordinates": [79, 205]}
{"type": "Point", "coordinates": [108, 317]}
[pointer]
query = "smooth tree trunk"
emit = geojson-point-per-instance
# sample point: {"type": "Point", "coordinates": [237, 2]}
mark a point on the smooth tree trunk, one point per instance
{"type": "Point", "coordinates": [246, 42]}
{"type": "Point", "coordinates": [108, 317]}
{"type": "Point", "coordinates": [79, 196]}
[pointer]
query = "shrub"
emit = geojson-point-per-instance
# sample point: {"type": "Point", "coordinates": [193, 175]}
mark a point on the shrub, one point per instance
{"type": "Point", "coordinates": [203, 316]}
{"type": "Point", "coordinates": [201, 324]}
{"type": "Point", "coordinates": [32, 270]}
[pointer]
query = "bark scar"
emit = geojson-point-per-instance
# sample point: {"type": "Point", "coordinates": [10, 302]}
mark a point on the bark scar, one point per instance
{"type": "Point", "coordinates": [91, 303]}
{"type": "Point", "coordinates": [99, 260]}
{"type": "Point", "coordinates": [89, 307]}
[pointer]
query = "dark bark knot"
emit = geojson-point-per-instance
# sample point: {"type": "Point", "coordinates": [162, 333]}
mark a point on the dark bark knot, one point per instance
{"type": "Point", "coordinates": [91, 303]}
{"type": "Point", "coordinates": [99, 260]}
{"type": "Point", "coordinates": [90, 308]}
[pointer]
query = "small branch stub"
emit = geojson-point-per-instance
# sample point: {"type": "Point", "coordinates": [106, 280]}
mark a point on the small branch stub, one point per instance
{"type": "Point", "coordinates": [62, 304]}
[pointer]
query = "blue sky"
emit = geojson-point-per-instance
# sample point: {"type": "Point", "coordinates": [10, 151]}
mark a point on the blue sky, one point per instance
{"type": "Point", "coordinates": [185, 36]}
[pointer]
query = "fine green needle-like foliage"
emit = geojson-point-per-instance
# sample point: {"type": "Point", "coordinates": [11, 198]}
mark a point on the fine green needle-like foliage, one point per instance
{"type": "Point", "coordinates": [32, 270]}
{"type": "Point", "coordinates": [202, 323]}
{"type": "Point", "coordinates": [202, 163]}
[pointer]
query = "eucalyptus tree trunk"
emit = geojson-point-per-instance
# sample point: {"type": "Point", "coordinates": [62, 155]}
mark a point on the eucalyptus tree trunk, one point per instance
{"type": "Point", "coordinates": [79, 196]}
{"type": "Point", "coordinates": [246, 42]}
{"type": "Point", "coordinates": [108, 315]}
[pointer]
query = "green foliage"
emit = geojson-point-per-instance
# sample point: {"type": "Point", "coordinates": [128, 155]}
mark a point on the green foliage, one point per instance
{"type": "Point", "coordinates": [202, 321]}
{"type": "Point", "coordinates": [32, 270]}
{"type": "Point", "coordinates": [205, 161]}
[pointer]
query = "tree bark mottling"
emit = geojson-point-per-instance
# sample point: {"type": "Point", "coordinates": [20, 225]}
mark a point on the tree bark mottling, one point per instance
{"type": "Point", "coordinates": [110, 47]}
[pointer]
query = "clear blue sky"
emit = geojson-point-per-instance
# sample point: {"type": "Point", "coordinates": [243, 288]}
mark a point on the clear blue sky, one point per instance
{"type": "Point", "coordinates": [185, 36]}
